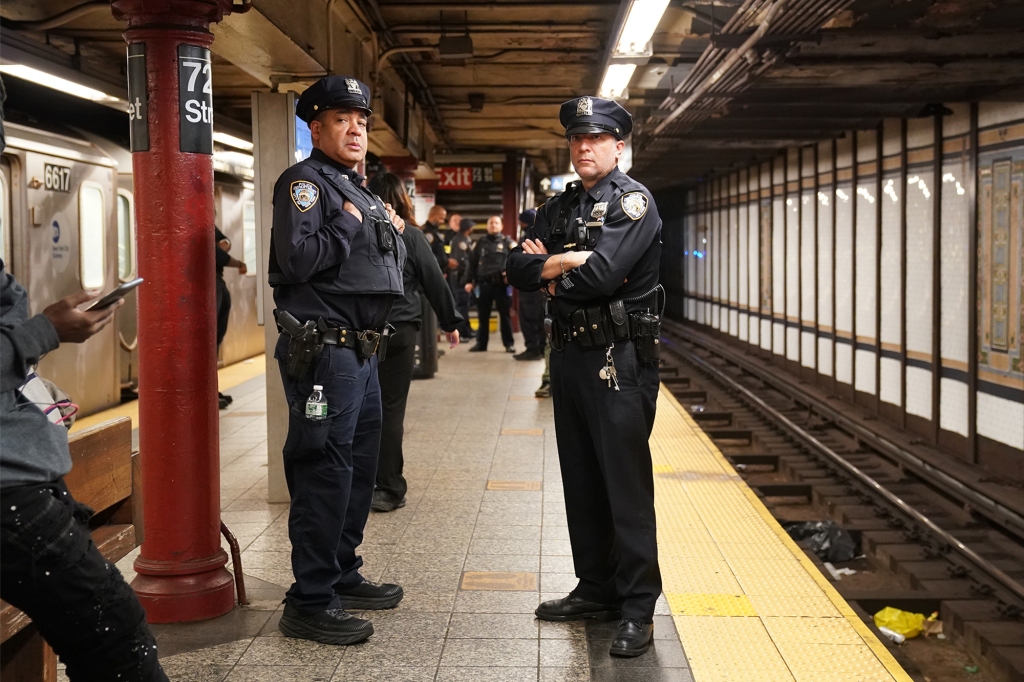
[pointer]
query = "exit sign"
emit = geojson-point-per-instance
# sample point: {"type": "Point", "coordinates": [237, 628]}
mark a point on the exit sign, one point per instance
{"type": "Point", "coordinates": [455, 177]}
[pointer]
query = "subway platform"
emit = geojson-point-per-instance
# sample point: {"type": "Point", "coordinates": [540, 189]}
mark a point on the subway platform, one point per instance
{"type": "Point", "coordinates": [483, 540]}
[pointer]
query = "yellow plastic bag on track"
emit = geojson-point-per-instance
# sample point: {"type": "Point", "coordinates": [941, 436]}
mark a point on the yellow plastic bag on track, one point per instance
{"type": "Point", "coordinates": [905, 623]}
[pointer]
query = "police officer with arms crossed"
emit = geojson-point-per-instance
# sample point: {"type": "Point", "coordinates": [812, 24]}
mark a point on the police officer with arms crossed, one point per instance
{"type": "Point", "coordinates": [336, 262]}
{"type": "Point", "coordinates": [595, 249]}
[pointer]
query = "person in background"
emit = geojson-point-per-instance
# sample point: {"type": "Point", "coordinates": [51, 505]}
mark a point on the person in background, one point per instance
{"type": "Point", "coordinates": [487, 270]}
{"type": "Point", "coordinates": [223, 260]}
{"type": "Point", "coordinates": [431, 230]}
{"type": "Point", "coordinates": [459, 246]}
{"type": "Point", "coordinates": [421, 273]}
{"type": "Point", "coordinates": [50, 568]}
{"type": "Point", "coordinates": [531, 305]}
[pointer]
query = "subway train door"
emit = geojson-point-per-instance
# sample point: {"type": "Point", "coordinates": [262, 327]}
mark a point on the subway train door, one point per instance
{"type": "Point", "coordinates": [68, 247]}
{"type": "Point", "coordinates": [128, 314]}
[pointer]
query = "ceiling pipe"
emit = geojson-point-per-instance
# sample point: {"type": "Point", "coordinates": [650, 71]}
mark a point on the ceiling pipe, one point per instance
{"type": "Point", "coordinates": [402, 49]}
{"type": "Point", "coordinates": [734, 57]}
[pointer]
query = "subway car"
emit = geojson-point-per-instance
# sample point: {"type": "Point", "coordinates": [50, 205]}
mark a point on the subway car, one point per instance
{"type": "Point", "coordinates": [67, 223]}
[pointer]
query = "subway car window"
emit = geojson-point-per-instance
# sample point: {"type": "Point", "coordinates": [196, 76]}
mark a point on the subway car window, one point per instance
{"type": "Point", "coordinates": [249, 237]}
{"type": "Point", "coordinates": [125, 236]}
{"type": "Point", "coordinates": [90, 235]}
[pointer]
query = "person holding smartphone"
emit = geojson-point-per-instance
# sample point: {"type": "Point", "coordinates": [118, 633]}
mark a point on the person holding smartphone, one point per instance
{"type": "Point", "coordinates": [51, 569]}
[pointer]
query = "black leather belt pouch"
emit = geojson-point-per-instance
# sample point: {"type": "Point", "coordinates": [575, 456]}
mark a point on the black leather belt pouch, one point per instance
{"type": "Point", "coordinates": [366, 344]}
{"type": "Point", "coordinates": [598, 328]}
{"type": "Point", "coordinates": [307, 439]}
{"type": "Point", "coordinates": [648, 337]}
{"type": "Point", "coordinates": [555, 334]}
{"type": "Point", "coordinates": [581, 328]}
{"type": "Point", "coordinates": [619, 320]}
{"type": "Point", "coordinates": [382, 345]}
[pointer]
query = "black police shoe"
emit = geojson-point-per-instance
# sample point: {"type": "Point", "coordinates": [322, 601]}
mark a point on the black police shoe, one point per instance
{"type": "Point", "coordinates": [332, 626]}
{"type": "Point", "coordinates": [384, 501]}
{"type": "Point", "coordinates": [544, 391]}
{"type": "Point", "coordinates": [633, 638]}
{"type": "Point", "coordinates": [576, 608]}
{"type": "Point", "coordinates": [477, 349]}
{"type": "Point", "coordinates": [371, 596]}
{"type": "Point", "coordinates": [529, 355]}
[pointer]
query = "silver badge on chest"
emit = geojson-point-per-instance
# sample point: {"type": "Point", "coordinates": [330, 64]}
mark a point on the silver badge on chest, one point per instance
{"type": "Point", "coordinates": [600, 211]}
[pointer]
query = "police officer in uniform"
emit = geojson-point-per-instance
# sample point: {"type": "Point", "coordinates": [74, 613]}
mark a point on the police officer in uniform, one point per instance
{"type": "Point", "coordinates": [486, 268]}
{"type": "Point", "coordinates": [595, 249]}
{"type": "Point", "coordinates": [336, 262]}
{"type": "Point", "coordinates": [459, 246]}
{"type": "Point", "coordinates": [432, 231]}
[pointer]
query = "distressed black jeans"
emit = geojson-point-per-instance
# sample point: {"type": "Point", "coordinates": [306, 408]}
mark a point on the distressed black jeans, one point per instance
{"type": "Point", "coordinates": [84, 609]}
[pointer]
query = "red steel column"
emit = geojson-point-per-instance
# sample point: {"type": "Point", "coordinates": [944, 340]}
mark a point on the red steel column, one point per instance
{"type": "Point", "coordinates": [181, 565]}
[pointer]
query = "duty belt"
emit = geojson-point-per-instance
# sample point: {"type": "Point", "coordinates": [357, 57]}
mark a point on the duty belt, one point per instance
{"type": "Point", "coordinates": [348, 338]}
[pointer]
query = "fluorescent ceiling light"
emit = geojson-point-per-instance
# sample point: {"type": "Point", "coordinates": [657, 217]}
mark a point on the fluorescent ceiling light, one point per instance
{"type": "Point", "coordinates": [616, 80]}
{"type": "Point", "coordinates": [232, 141]}
{"type": "Point", "coordinates": [57, 83]}
{"type": "Point", "coordinates": [641, 22]}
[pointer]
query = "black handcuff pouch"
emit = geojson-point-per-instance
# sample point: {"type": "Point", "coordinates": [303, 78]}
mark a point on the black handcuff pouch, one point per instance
{"type": "Point", "coordinates": [619, 320]}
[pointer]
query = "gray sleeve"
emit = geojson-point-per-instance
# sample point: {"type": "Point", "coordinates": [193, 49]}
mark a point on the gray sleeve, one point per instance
{"type": "Point", "coordinates": [23, 339]}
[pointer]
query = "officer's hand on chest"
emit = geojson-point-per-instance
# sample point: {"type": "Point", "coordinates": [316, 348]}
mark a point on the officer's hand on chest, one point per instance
{"type": "Point", "coordinates": [351, 208]}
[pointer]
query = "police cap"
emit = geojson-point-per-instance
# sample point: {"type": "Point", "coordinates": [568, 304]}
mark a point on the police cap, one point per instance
{"type": "Point", "coordinates": [595, 115]}
{"type": "Point", "coordinates": [332, 92]}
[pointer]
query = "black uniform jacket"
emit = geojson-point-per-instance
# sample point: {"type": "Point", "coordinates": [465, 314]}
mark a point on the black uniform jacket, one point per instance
{"type": "Point", "coordinates": [422, 274]}
{"type": "Point", "coordinates": [436, 243]}
{"type": "Point", "coordinates": [324, 262]}
{"type": "Point", "coordinates": [460, 245]}
{"type": "Point", "coordinates": [488, 260]}
{"type": "Point", "coordinates": [625, 236]}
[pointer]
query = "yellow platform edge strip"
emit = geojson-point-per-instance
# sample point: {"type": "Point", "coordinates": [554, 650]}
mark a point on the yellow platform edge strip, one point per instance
{"type": "Point", "coordinates": [227, 378]}
{"type": "Point", "coordinates": [675, 600]}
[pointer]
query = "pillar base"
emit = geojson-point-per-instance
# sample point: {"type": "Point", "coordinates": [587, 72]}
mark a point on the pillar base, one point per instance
{"type": "Point", "coordinates": [185, 598]}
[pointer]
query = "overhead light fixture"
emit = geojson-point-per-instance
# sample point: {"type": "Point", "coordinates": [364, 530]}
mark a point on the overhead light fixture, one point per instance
{"type": "Point", "coordinates": [57, 83]}
{"type": "Point", "coordinates": [631, 45]}
{"type": "Point", "coordinates": [641, 22]}
{"type": "Point", "coordinates": [232, 141]}
{"type": "Point", "coordinates": [616, 81]}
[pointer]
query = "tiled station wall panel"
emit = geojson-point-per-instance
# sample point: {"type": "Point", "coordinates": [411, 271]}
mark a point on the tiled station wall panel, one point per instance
{"type": "Point", "coordinates": [850, 261]}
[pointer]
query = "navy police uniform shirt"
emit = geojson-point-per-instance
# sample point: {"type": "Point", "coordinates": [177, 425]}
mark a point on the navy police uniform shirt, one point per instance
{"type": "Point", "coordinates": [618, 221]}
{"type": "Point", "coordinates": [436, 242]}
{"type": "Point", "coordinates": [488, 260]}
{"type": "Point", "coordinates": [324, 262]}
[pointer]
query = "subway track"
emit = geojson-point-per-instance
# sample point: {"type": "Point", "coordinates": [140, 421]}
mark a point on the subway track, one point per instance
{"type": "Point", "coordinates": [933, 536]}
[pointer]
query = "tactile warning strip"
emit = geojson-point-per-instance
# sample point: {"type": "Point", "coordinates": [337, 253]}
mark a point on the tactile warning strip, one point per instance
{"type": "Point", "coordinates": [747, 603]}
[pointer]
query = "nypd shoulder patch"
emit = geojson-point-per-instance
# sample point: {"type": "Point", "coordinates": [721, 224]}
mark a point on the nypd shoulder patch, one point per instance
{"type": "Point", "coordinates": [634, 205]}
{"type": "Point", "coordinates": [304, 194]}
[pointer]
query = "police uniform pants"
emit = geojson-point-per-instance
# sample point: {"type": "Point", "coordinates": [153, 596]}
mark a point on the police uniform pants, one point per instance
{"type": "Point", "coordinates": [223, 309]}
{"type": "Point", "coordinates": [461, 304]}
{"type": "Point", "coordinates": [330, 468]}
{"type": "Point", "coordinates": [497, 295]}
{"type": "Point", "coordinates": [531, 319]}
{"type": "Point", "coordinates": [605, 460]}
{"type": "Point", "coordinates": [395, 374]}
{"type": "Point", "coordinates": [81, 604]}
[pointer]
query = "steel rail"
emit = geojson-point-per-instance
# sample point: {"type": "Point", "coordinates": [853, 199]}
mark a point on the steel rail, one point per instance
{"type": "Point", "coordinates": [808, 439]}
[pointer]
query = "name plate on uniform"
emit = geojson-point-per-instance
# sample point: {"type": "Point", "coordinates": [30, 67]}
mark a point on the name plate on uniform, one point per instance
{"type": "Point", "coordinates": [195, 100]}
{"type": "Point", "coordinates": [138, 98]}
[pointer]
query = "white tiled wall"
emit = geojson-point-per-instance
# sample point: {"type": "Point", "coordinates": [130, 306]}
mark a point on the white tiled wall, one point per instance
{"type": "Point", "coordinates": [919, 392]}
{"type": "Point", "coordinates": [844, 363]}
{"type": "Point", "coordinates": [844, 258]}
{"type": "Point", "coordinates": [793, 257]}
{"type": "Point", "coordinates": [778, 338]}
{"type": "Point", "coordinates": [808, 252]}
{"type": "Point", "coordinates": [919, 262]}
{"type": "Point", "coordinates": [891, 273]}
{"type": "Point", "coordinates": [825, 356]}
{"type": "Point", "coordinates": [778, 258]}
{"type": "Point", "coordinates": [1001, 420]}
{"type": "Point", "coordinates": [807, 349]}
{"type": "Point", "coordinates": [734, 253]}
{"type": "Point", "coordinates": [765, 335]}
{"type": "Point", "coordinates": [955, 247]}
{"type": "Point", "coordinates": [865, 372]}
{"type": "Point", "coordinates": [889, 374]}
{"type": "Point", "coordinates": [793, 344]}
{"type": "Point", "coordinates": [866, 251]}
{"type": "Point", "coordinates": [743, 269]}
{"type": "Point", "coordinates": [734, 322]}
{"type": "Point", "coordinates": [744, 330]}
{"type": "Point", "coordinates": [953, 405]}
{"type": "Point", "coordinates": [825, 201]}
{"type": "Point", "coordinates": [754, 259]}
{"type": "Point", "coordinates": [995, 113]}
